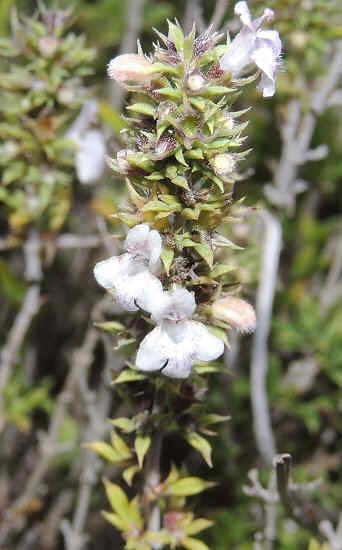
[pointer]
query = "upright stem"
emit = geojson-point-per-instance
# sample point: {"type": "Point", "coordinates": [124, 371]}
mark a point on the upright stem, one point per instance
{"type": "Point", "coordinates": [153, 474]}
{"type": "Point", "coordinates": [152, 481]}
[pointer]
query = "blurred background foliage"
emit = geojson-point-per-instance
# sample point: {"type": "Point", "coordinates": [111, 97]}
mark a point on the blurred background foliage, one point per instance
{"type": "Point", "coordinates": [305, 349]}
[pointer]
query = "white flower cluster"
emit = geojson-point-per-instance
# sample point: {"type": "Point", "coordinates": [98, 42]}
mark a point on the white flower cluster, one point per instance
{"type": "Point", "coordinates": [176, 342]}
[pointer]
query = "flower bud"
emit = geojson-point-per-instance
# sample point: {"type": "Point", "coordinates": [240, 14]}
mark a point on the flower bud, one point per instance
{"type": "Point", "coordinates": [130, 67]}
{"type": "Point", "coordinates": [122, 163]}
{"type": "Point", "coordinates": [48, 45]}
{"type": "Point", "coordinates": [236, 312]}
{"type": "Point", "coordinates": [66, 95]}
{"type": "Point", "coordinates": [195, 82]}
{"type": "Point", "coordinates": [223, 164]}
{"type": "Point", "coordinates": [173, 520]}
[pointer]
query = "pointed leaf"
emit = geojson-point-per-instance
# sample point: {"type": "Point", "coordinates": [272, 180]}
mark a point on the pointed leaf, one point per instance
{"type": "Point", "coordinates": [206, 252]}
{"type": "Point", "coordinates": [117, 498]}
{"type": "Point", "coordinates": [198, 525]}
{"type": "Point", "coordinates": [104, 450]}
{"type": "Point", "coordinates": [201, 445]}
{"type": "Point", "coordinates": [120, 446]}
{"type": "Point", "coordinates": [129, 375]}
{"type": "Point", "coordinates": [117, 521]}
{"type": "Point", "coordinates": [129, 473]}
{"type": "Point", "coordinates": [167, 256]}
{"type": "Point", "coordinates": [221, 269]}
{"type": "Point", "coordinates": [127, 425]}
{"type": "Point", "coordinates": [142, 445]}
{"type": "Point", "coordinates": [110, 326]}
{"type": "Point", "coordinates": [188, 486]}
{"type": "Point", "coordinates": [194, 544]}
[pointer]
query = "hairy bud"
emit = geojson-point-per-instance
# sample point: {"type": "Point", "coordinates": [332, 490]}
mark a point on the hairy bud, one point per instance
{"type": "Point", "coordinates": [123, 165]}
{"type": "Point", "coordinates": [48, 45]}
{"type": "Point", "coordinates": [130, 67]}
{"type": "Point", "coordinates": [236, 312]}
{"type": "Point", "coordinates": [223, 164]}
{"type": "Point", "coordinates": [196, 82]}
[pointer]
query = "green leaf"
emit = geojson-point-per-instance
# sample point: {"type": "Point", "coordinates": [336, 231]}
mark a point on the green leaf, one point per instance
{"type": "Point", "coordinates": [201, 445]}
{"type": "Point", "coordinates": [188, 486]}
{"type": "Point", "coordinates": [198, 525]}
{"type": "Point", "coordinates": [157, 206]}
{"type": "Point", "coordinates": [180, 157]}
{"type": "Point", "coordinates": [104, 450]}
{"type": "Point", "coordinates": [120, 446]}
{"type": "Point", "coordinates": [176, 35]}
{"type": "Point", "coordinates": [167, 256]}
{"type": "Point", "coordinates": [12, 287]}
{"type": "Point", "coordinates": [120, 523]}
{"type": "Point", "coordinates": [142, 109]}
{"type": "Point", "coordinates": [194, 544]}
{"type": "Point", "coordinates": [112, 117]}
{"type": "Point", "coordinates": [221, 269]}
{"type": "Point", "coordinates": [142, 445]}
{"type": "Point", "coordinates": [168, 91]}
{"type": "Point", "coordinates": [110, 326]}
{"type": "Point", "coordinates": [125, 424]}
{"type": "Point", "coordinates": [129, 473]}
{"type": "Point", "coordinates": [212, 91]}
{"type": "Point", "coordinates": [206, 252]}
{"type": "Point", "coordinates": [209, 419]}
{"type": "Point", "coordinates": [226, 243]}
{"type": "Point", "coordinates": [129, 375]}
{"type": "Point", "coordinates": [118, 499]}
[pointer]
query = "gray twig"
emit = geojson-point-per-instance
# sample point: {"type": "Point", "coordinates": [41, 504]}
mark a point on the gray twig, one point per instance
{"type": "Point", "coordinates": [22, 322]}
{"type": "Point", "coordinates": [81, 361]}
{"type": "Point", "coordinates": [296, 504]}
{"type": "Point", "coordinates": [221, 7]}
{"type": "Point", "coordinates": [97, 408]}
{"type": "Point", "coordinates": [193, 14]}
{"type": "Point", "coordinates": [297, 135]}
{"type": "Point", "coordinates": [259, 361]}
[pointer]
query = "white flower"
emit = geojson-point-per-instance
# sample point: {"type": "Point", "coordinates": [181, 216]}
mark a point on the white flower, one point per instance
{"type": "Point", "coordinates": [177, 342]}
{"type": "Point", "coordinates": [254, 45]}
{"type": "Point", "coordinates": [90, 157]}
{"type": "Point", "coordinates": [128, 277]}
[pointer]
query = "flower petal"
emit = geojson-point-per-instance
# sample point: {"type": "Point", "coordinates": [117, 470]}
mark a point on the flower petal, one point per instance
{"type": "Point", "coordinates": [208, 347]}
{"type": "Point", "coordinates": [155, 248]}
{"type": "Point", "coordinates": [242, 10]}
{"type": "Point", "coordinates": [238, 53]}
{"type": "Point", "coordinates": [153, 351]}
{"type": "Point", "coordinates": [168, 348]}
{"type": "Point", "coordinates": [266, 86]}
{"type": "Point", "coordinates": [272, 39]}
{"type": "Point", "coordinates": [107, 271]}
{"type": "Point", "coordinates": [176, 305]}
{"type": "Point", "coordinates": [143, 242]}
{"type": "Point", "coordinates": [264, 58]}
{"type": "Point", "coordinates": [90, 157]}
{"type": "Point", "coordinates": [132, 285]}
{"type": "Point", "coordinates": [147, 289]}
{"type": "Point", "coordinates": [136, 237]}
{"type": "Point", "coordinates": [137, 291]}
